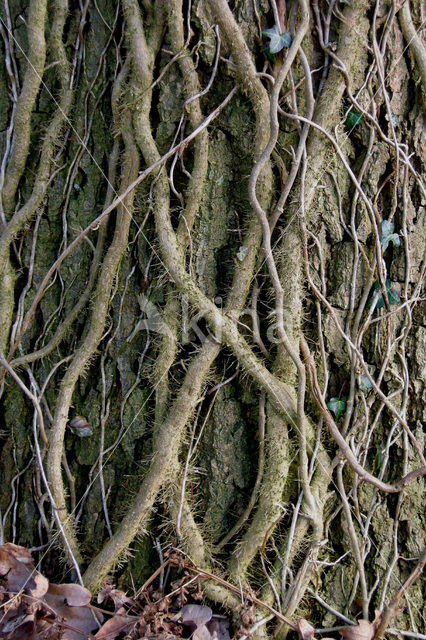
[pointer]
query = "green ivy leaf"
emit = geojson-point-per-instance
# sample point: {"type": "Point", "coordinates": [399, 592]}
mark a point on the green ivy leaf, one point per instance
{"type": "Point", "coordinates": [395, 120]}
{"type": "Point", "coordinates": [388, 235]}
{"type": "Point", "coordinates": [80, 427]}
{"type": "Point", "coordinates": [365, 384]}
{"type": "Point", "coordinates": [242, 253]}
{"type": "Point", "coordinates": [337, 406]}
{"type": "Point", "coordinates": [393, 296]}
{"type": "Point", "coordinates": [353, 119]}
{"type": "Point", "coordinates": [83, 433]}
{"type": "Point", "coordinates": [277, 40]}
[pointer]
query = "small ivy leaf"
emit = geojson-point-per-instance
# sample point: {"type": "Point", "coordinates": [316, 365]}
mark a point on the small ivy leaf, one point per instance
{"type": "Point", "coordinates": [365, 384]}
{"type": "Point", "coordinates": [219, 180]}
{"type": "Point", "coordinates": [395, 239]}
{"type": "Point", "coordinates": [380, 302]}
{"type": "Point", "coordinates": [387, 228]}
{"type": "Point", "coordinates": [242, 253]}
{"type": "Point", "coordinates": [286, 39]}
{"type": "Point", "coordinates": [377, 298]}
{"type": "Point", "coordinates": [83, 433]}
{"type": "Point", "coordinates": [388, 235]}
{"type": "Point", "coordinates": [393, 295]}
{"type": "Point", "coordinates": [353, 119]}
{"type": "Point", "coordinates": [394, 119]}
{"type": "Point", "coordinates": [274, 39]}
{"type": "Point", "coordinates": [80, 427]}
{"type": "Point", "coordinates": [277, 40]}
{"type": "Point", "coordinates": [337, 406]}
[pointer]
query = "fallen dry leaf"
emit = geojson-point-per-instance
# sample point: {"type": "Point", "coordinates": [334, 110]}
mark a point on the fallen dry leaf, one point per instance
{"type": "Point", "coordinates": [74, 594]}
{"type": "Point", "coordinates": [193, 615]}
{"type": "Point", "coordinates": [119, 623]}
{"type": "Point", "coordinates": [218, 627]}
{"type": "Point", "coordinates": [21, 575]}
{"type": "Point", "coordinates": [201, 633]}
{"type": "Point", "coordinates": [364, 630]}
{"type": "Point", "coordinates": [304, 629]}
{"type": "Point", "coordinates": [69, 602]}
{"type": "Point", "coordinates": [118, 597]}
{"type": "Point", "coordinates": [29, 619]}
{"type": "Point", "coordinates": [19, 553]}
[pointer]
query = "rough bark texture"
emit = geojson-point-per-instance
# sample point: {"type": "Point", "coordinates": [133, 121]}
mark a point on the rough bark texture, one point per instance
{"type": "Point", "coordinates": [232, 358]}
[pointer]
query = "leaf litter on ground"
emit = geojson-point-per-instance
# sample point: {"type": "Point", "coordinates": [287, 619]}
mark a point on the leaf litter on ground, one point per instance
{"type": "Point", "coordinates": [33, 608]}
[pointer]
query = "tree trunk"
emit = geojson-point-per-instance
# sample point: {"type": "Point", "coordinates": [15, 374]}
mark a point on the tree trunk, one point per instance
{"type": "Point", "coordinates": [211, 262]}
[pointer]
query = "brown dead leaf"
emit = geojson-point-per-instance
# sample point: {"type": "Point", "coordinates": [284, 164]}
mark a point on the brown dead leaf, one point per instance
{"type": "Point", "coordinates": [19, 553]}
{"type": "Point", "coordinates": [201, 633]}
{"type": "Point", "coordinates": [21, 575]}
{"type": "Point", "coordinates": [193, 615]}
{"type": "Point", "coordinates": [364, 630]}
{"type": "Point", "coordinates": [20, 621]}
{"type": "Point", "coordinates": [29, 619]}
{"type": "Point", "coordinates": [114, 626]}
{"type": "Point", "coordinates": [204, 624]}
{"type": "Point", "coordinates": [49, 611]}
{"type": "Point", "coordinates": [218, 627]}
{"type": "Point", "coordinates": [74, 594]}
{"type": "Point", "coordinates": [118, 597]}
{"type": "Point", "coordinates": [80, 616]}
{"type": "Point", "coordinates": [304, 629]}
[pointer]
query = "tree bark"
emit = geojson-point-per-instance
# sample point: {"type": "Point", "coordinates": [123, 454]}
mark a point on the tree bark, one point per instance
{"type": "Point", "coordinates": [211, 262]}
